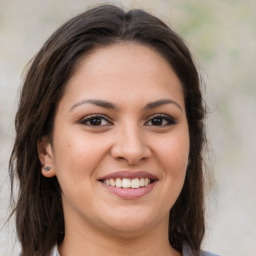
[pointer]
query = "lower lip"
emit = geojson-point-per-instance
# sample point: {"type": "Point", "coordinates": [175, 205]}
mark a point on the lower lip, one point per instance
{"type": "Point", "coordinates": [130, 193]}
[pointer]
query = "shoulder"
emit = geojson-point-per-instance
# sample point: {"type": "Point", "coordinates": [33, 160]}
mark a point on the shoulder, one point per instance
{"type": "Point", "coordinates": [186, 251]}
{"type": "Point", "coordinates": [203, 253]}
{"type": "Point", "coordinates": [55, 251]}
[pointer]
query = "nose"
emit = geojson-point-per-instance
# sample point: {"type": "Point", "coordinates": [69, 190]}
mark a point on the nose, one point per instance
{"type": "Point", "coordinates": [130, 146]}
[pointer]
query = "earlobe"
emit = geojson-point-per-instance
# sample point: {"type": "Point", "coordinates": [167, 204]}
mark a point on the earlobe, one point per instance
{"type": "Point", "coordinates": [45, 154]}
{"type": "Point", "coordinates": [48, 171]}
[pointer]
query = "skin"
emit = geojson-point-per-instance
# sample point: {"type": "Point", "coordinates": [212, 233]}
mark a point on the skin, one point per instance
{"type": "Point", "coordinates": [98, 222]}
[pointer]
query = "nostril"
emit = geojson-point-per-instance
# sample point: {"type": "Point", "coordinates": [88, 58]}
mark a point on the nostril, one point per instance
{"type": "Point", "coordinates": [132, 152]}
{"type": "Point", "coordinates": [120, 158]}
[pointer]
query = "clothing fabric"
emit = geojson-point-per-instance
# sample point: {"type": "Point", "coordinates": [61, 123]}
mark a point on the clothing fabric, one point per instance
{"type": "Point", "coordinates": [186, 251]}
{"type": "Point", "coordinates": [55, 251]}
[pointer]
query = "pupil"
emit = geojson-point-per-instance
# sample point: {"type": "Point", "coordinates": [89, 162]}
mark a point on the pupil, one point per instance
{"type": "Point", "coordinates": [157, 121]}
{"type": "Point", "coordinates": [95, 121]}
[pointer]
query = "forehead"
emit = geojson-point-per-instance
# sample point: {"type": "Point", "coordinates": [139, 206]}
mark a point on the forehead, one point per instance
{"type": "Point", "coordinates": [125, 68]}
{"type": "Point", "coordinates": [121, 53]}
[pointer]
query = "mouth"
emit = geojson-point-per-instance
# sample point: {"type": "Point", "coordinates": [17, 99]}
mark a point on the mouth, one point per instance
{"type": "Point", "coordinates": [129, 185]}
{"type": "Point", "coordinates": [134, 183]}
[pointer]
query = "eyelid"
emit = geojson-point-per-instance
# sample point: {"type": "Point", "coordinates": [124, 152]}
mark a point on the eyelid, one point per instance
{"type": "Point", "coordinates": [161, 115]}
{"type": "Point", "coordinates": [91, 116]}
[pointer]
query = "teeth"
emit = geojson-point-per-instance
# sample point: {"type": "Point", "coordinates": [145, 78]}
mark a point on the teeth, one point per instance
{"type": "Point", "coordinates": [112, 182]}
{"type": "Point", "coordinates": [127, 183]}
{"type": "Point", "coordinates": [118, 183]}
{"type": "Point", "coordinates": [135, 183]}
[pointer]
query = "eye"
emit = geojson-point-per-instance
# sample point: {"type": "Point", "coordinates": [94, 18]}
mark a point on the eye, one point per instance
{"type": "Point", "coordinates": [160, 120]}
{"type": "Point", "coordinates": [95, 120]}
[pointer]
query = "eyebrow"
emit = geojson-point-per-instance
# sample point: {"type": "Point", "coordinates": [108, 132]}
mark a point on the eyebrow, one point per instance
{"type": "Point", "coordinates": [161, 102]}
{"type": "Point", "coordinates": [109, 105]}
{"type": "Point", "coordinates": [100, 103]}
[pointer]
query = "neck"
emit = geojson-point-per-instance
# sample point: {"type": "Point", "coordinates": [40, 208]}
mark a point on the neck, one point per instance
{"type": "Point", "coordinates": [91, 241]}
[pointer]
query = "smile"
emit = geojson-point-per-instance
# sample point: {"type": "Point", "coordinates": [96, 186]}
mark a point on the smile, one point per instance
{"type": "Point", "coordinates": [128, 183]}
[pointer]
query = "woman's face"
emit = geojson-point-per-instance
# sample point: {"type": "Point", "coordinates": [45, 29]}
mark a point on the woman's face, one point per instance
{"type": "Point", "coordinates": [120, 141]}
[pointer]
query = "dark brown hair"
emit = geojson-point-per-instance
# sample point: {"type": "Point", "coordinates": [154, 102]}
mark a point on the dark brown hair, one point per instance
{"type": "Point", "coordinates": [39, 213]}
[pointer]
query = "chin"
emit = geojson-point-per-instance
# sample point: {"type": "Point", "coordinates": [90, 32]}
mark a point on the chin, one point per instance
{"type": "Point", "coordinates": [129, 224]}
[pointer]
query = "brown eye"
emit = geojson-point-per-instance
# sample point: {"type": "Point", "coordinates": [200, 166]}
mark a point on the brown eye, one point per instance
{"type": "Point", "coordinates": [95, 121]}
{"type": "Point", "coordinates": [160, 120]}
{"type": "Point", "coordinates": [157, 121]}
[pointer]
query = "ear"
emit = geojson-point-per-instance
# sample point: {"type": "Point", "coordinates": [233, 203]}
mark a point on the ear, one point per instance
{"type": "Point", "coordinates": [45, 154]}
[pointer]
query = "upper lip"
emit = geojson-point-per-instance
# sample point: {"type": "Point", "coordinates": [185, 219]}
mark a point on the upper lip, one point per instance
{"type": "Point", "coordinates": [129, 175]}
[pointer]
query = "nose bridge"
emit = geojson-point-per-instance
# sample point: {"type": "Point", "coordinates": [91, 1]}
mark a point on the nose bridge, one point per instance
{"type": "Point", "coordinates": [130, 143]}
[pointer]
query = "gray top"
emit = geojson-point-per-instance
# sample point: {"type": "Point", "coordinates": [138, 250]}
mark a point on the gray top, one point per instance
{"type": "Point", "coordinates": [55, 251]}
{"type": "Point", "coordinates": [186, 251]}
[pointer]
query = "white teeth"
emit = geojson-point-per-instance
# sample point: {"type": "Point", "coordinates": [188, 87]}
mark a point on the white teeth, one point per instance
{"type": "Point", "coordinates": [127, 183]}
{"type": "Point", "coordinates": [118, 183]}
{"type": "Point", "coordinates": [112, 182]}
{"type": "Point", "coordinates": [135, 183]}
{"type": "Point", "coordinates": [147, 181]}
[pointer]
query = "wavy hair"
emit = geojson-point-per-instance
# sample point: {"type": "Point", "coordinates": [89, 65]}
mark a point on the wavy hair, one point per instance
{"type": "Point", "coordinates": [38, 209]}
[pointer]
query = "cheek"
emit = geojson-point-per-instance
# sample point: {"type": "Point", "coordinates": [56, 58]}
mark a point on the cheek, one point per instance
{"type": "Point", "coordinates": [75, 162]}
{"type": "Point", "coordinates": [78, 155]}
{"type": "Point", "coordinates": [174, 152]}
{"type": "Point", "coordinates": [74, 155]}
{"type": "Point", "coordinates": [173, 156]}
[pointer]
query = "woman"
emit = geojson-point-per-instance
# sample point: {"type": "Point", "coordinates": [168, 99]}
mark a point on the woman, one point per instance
{"type": "Point", "coordinates": [109, 142]}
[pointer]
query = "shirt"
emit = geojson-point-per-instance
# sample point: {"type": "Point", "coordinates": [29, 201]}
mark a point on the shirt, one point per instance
{"type": "Point", "coordinates": [186, 251]}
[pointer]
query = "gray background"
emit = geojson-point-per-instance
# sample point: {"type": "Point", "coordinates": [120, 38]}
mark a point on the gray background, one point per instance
{"type": "Point", "coordinates": [222, 36]}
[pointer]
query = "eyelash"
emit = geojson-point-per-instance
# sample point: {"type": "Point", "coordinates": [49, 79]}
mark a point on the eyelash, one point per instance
{"type": "Point", "coordinates": [158, 117]}
{"type": "Point", "coordinates": [163, 117]}
{"type": "Point", "coordinates": [90, 118]}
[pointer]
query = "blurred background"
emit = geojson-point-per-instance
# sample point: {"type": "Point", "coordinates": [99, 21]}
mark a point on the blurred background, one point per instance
{"type": "Point", "coordinates": [222, 37]}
